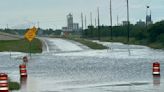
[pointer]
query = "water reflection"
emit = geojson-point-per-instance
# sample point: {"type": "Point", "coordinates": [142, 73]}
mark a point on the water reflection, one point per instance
{"type": "Point", "coordinates": [156, 80]}
{"type": "Point", "coordinates": [85, 71]}
{"type": "Point", "coordinates": [23, 83]}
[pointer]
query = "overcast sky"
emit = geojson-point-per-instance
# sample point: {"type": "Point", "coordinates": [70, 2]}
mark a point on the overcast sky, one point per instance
{"type": "Point", "coordinates": [52, 13]}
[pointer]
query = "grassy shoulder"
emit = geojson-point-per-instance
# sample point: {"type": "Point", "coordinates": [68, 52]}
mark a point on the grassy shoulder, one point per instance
{"type": "Point", "coordinates": [14, 86]}
{"type": "Point", "coordinates": [118, 39]}
{"type": "Point", "coordinates": [21, 45]}
{"type": "Point", "coordinates": [155, 45]}
{"type": "Point", "coordinates": [90, 44]}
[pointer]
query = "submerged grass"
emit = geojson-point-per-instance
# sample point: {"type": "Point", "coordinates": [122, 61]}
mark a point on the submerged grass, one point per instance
{"type": "Point", "coordinates": [14, 86]}
{"type": "Point", "coordinates": [89, 43]}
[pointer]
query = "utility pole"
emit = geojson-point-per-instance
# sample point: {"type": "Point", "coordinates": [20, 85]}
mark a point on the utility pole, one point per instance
{"type": "Point", "coordinates": [7, 26]}
{"type": "Point", "coordinates": [82, 26]}
{"type": "Point", "coordinates": [91, 18]}
{"type": "Point", "coordinates": [91, 25]}
{"type": "Point", "coordinates": [117, 20]}
{"type": "Point", "coordinates": [128, 28]}
{"type": "Point", "coordinates": [85, 22]}
{"type": "Point", "coordinates": [38, 24]}
{"type": "Point", "coordinates": [95, 22]}
{"type": "Point", "coordinates": [98, 20]}
{"type": "Point", "coordinates": [111, 20]}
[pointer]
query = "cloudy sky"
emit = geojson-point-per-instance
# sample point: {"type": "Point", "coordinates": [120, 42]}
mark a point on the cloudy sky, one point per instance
{"type": "Point", "coordinates": [52, 13]}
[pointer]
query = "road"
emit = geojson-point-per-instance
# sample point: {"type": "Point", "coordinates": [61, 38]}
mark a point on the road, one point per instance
{"type": "Point", "coordinates": [67, 66]}
{"type": "Point", "coordinates": [7, 36]}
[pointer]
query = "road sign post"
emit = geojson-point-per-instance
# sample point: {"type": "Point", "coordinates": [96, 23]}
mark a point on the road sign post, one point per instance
{"type": "Point", "coordinates": [30, 48]}
{"type": "Point", "coordinates": [30, 35]}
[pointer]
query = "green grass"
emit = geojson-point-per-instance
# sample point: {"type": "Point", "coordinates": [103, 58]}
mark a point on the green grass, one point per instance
{"type": "Point", "coordinates": [21, 45]}
{"type": "Point", "coordinates": [90, 44]}
{"type": "Point", "coordinates": [145, 42]}
{"type": "Point", "coordinates": [14, 86]}
{"type": "Point", "coordinates": [119, 39]}
{"type": "Point", "coordinates": [156, 45]}
{"type": "Point", "coordinates": [132, 41]}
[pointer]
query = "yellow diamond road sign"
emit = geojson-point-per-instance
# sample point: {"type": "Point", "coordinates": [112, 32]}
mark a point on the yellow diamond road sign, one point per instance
{"type": "Point", "coordinates": [31, 33]}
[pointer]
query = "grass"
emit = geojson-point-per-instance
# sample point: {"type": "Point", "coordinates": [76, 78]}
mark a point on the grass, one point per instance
{"type": "Point", "coordinates": [156, 45]}
{"type": "Point", "coordinates": [21, 45]}
{"type": "Point", "coordinates": [90, 44]}
{"type": "Point", "coordinates": [145, 42]}
{"type": "Point", "coordinates": [14, 86]}
{"type": "Point", "coordinates": [119, 39]}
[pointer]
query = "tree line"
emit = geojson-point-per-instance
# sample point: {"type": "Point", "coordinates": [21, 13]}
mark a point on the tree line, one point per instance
{"type": "Point", "coordinates": [144, 34]}
{"type": "Point", "coordinates": [140, 34]}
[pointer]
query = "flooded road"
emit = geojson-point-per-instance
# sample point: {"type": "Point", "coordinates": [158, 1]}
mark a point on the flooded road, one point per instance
{"type": "Point", "coordinates": [67, 66]}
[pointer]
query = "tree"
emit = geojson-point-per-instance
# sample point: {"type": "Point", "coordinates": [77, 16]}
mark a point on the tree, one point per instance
{"type": "Point", "coordinates": [156, 31]}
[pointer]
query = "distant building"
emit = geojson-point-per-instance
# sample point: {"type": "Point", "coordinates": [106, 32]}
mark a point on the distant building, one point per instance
{"type": "Point", "coordinates": [125, 23]}
{"type": "Point", "coordinates": [70, 22]}
{"type": "Point", "coordinates": [140, 23]}
{"type": "Point", "coordinates": [75, 26]}
{"type": "Point", "coordinates": [71, 26]}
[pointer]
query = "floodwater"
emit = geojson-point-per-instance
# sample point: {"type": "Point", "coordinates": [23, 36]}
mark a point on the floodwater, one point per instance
{"type": "Point", "coordinates": [86, 70]}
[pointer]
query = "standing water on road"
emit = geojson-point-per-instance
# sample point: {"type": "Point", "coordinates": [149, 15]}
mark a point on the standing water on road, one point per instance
{"type": "Point", "coordinates": [69, 67]}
